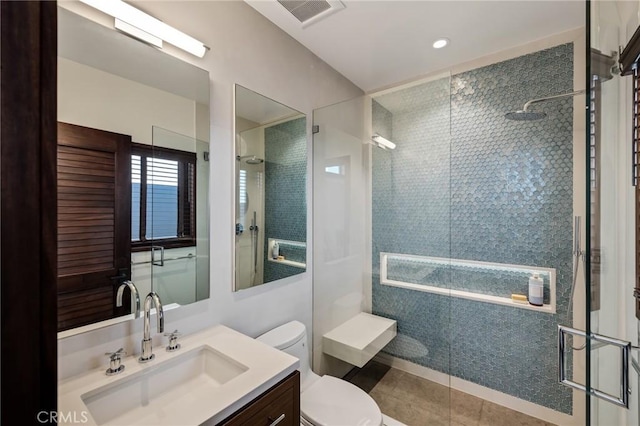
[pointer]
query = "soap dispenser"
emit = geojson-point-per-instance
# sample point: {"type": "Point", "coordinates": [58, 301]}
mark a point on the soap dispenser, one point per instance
{"type": "Point", "coordinates": [536, 290]}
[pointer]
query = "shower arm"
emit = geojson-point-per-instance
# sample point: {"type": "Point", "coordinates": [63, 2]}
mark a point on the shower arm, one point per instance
{"type": "Point", "coordinates": [548, 98]}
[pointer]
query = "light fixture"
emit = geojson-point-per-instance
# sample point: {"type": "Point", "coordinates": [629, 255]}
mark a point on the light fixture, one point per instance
{"type": "Point", "coordinates": [440, 43]}
{"type": "Point", "coordinates": [137, 33]}
{"type": "Point", "coordinates": [382, 142]}
{"type": "Point", "coordinates": [147, 26]}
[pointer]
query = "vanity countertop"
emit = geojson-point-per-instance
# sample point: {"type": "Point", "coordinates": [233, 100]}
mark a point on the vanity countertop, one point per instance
{"type": "Point", "coordinates": [164, 401]}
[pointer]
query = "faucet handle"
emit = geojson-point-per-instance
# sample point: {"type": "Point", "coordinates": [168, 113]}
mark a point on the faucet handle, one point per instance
{"type": "Point", "coordinates": [115, 359]}
{"type": "Point", "coordinates": [173, 341]}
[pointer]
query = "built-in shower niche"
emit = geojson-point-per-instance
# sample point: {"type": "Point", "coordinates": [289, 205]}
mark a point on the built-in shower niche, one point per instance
{"type": "Point", "coordinates": [467, 279]}
{"type": "Point", "coordinates": [290, 253]}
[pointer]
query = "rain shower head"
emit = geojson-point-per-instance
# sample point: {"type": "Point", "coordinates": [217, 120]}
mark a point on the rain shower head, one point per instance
{"type": "Point", "coordinates": [525, 115]}
{"type": "Point", "coordinates": [522, 115]}
{"type": "Point", "coordinates": [250, 159]}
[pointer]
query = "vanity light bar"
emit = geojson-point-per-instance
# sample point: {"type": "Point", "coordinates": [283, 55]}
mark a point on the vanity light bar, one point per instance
{"type": "Point", "coordinates": [148, 24]}
{"type": "Point", "coordinates": [138, 33]}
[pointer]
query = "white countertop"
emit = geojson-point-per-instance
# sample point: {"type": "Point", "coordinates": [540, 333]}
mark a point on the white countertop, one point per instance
{"type": "Point", "coordinates": [266, 367]}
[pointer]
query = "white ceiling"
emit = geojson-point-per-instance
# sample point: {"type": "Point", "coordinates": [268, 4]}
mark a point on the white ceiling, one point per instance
{"type": "Point", "coordinates": [378, 43]}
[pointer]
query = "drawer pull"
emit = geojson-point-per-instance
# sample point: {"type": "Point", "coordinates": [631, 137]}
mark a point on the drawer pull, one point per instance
{"type": "Point", "coordinates": [276, 421]}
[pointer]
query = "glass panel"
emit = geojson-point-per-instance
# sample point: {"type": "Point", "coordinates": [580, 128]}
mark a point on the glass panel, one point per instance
{"type": "Point", "coordinates": [411, 219]}
{"type": "Point", "coordinates": [180, 273]}
{"type": "Point", "coordinates": [341, 225]}
{"type": "Point", "coordinates": [610, 201]}
{"type": "Point", "coordinates": [512, 204]}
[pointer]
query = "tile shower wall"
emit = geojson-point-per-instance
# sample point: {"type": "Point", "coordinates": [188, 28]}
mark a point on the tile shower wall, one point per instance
{"type": "Point", "coordinates": [285, 151]}
{"type": "Point", "coordinates": [466, 183]}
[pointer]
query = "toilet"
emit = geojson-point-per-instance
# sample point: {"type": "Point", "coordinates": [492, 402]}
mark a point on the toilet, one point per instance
{"type": "Point", "coordinates": [326, 400]}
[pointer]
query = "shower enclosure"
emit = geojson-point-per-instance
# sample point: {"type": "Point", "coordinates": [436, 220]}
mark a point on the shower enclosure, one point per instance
{"type": "Point", "coordinates": [455, 221]}
{"type": "Point", "coordinates": [250, 242]}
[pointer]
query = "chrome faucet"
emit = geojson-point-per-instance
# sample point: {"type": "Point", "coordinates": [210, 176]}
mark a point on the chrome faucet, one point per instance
{"type": "Point", "coordinates": [147, 350]}
{"type": "Point", "coordinates": [135, 297]}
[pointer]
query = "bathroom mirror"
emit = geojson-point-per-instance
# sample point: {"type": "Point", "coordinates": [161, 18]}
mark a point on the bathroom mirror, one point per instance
{"type": "Point", "coordinates": [270, 196]}
{"type": "Point", "coordinates": [139, 211]}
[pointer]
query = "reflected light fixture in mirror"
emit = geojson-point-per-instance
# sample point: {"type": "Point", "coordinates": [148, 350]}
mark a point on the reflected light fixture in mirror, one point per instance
{"type": "Point", "coordinates": [382, 142]}
{"type": "Point", "coordinates": [144, 23]}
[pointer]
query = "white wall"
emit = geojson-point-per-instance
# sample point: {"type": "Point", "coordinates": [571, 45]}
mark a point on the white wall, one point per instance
{"type": "Point", "coordinates": [84, 95]}
{"type": "Point", "coordinates": [249, 50]}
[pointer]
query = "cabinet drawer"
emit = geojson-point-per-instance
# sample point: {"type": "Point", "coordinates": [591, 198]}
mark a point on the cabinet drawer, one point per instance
{"type": "Point", "coordinates": [269, 408]}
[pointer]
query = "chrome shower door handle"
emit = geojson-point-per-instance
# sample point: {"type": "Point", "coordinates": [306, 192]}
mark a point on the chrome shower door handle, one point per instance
{"type": "Point", "coordinates": [625, 348]}
{"type": "Point", "coordinates": [153, 257]}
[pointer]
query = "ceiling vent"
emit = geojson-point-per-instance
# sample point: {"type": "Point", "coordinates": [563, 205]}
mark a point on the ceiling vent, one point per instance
{"type": "Point", "coordinates": [311, 11]}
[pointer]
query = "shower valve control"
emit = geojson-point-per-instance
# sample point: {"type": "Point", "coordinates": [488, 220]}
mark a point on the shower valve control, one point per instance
{"type": "Point", "coordinates": [239, 229]}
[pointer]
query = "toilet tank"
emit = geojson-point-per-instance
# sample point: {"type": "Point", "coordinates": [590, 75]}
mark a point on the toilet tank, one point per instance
{"type": "Point", "coordinates": [292, 339]}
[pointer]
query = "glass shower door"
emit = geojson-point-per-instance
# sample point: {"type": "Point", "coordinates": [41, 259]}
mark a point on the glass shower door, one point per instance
{"type": "Point", "coordinates": [611, 249]}
{"type": "Point", "coordinates": [411, 245]}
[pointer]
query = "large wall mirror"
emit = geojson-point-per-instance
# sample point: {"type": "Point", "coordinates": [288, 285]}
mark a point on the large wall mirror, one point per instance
{"type": "Point", "coordinates": [133, 176]}
{"type": "Point", "coordinates": [271, 203]}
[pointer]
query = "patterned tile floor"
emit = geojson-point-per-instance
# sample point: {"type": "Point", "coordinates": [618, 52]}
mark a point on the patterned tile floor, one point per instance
{"type": "Point", "coordinates": [419, 402]}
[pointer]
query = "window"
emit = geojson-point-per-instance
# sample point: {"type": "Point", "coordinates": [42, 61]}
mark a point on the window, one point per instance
{"type": "Point", "coordinates": [163, 197]}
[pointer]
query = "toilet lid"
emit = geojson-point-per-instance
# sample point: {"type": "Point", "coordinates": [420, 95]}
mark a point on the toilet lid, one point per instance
{"type": "Point", "coordinates": [334, 402]}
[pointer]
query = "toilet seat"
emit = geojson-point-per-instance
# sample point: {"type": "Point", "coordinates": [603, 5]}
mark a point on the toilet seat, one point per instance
{"type": "Point", "coordinates": [333, 402]}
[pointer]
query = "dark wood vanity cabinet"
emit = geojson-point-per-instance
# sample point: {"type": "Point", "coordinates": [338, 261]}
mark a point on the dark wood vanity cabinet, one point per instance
{"type": "Point", "coordinates": [269, 408]}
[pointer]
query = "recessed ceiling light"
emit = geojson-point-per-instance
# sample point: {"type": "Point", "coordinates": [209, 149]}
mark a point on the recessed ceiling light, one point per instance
{"type": "Point", "coordinates": [440, 43]}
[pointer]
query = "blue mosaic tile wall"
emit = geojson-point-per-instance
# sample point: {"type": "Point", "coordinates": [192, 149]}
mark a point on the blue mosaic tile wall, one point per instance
{"type": "Point", "coordinates": [465, 183]}
{"type": "Point", "coordinates": [285, 196]}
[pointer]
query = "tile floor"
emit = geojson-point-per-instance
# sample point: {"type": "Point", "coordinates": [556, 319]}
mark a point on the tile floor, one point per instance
{"type": "Point", "coordinates": [420, 402]}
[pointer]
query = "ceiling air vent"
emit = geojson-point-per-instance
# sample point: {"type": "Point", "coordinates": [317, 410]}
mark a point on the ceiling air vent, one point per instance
{"type": "Point", "coordinates": [310, 11]}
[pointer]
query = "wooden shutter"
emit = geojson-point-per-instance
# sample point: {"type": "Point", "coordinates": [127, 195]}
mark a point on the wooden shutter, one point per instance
{"type": "Point", "coordinates": [94, 205]}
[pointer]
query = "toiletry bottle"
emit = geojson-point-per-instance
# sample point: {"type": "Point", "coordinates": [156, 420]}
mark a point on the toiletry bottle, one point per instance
{"type": "Point", "coordinates": [275, 251]}
{"type": "Point", "coordinates": [536, 291]}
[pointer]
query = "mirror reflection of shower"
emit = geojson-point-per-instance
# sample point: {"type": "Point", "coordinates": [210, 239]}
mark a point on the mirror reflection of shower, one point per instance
{"type": "Point", "coordinates": [250, 159]}
{"type": "Point", "coordinates": [250, 207]}
{"type": "Point", "coordinates": [270, 191]}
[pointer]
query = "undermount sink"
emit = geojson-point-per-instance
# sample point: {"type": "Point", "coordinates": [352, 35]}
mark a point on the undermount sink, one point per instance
{"type": "Point", "coordinates": [149, 395]}
{"type": "Point", "coordinates": [216, 372]}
